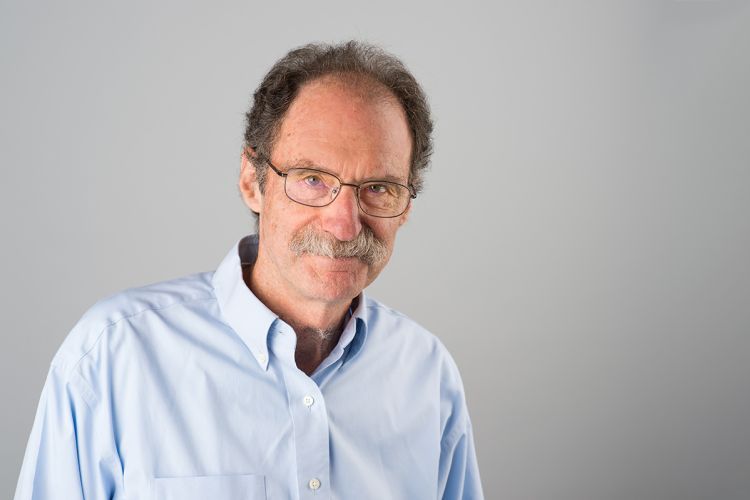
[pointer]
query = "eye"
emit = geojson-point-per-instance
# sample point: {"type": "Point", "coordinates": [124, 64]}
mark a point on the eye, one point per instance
{"type": "Point", "coordinates": [377, 188]}
{"type": "Point", "coordinates": [312, 180]}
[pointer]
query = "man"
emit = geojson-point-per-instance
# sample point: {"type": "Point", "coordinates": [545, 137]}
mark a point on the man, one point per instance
{"type": "Point", "coordinates": [274, 376]}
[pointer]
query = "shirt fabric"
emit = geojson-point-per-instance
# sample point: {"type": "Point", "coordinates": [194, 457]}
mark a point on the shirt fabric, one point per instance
{"type": "Point", "coordinates": [188, 389]}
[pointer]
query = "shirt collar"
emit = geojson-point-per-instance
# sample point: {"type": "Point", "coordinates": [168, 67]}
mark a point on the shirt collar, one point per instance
{"type": "Point", "coordinates": [354, 334]}
{"type": "Point", "coordinates": [247, 315]}
{"type": "Point", "coordinates": [251, 319]}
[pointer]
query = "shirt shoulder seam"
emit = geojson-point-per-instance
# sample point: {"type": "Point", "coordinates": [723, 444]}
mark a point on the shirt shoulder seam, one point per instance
{"type": "Point", "coordinates": [112, 323]}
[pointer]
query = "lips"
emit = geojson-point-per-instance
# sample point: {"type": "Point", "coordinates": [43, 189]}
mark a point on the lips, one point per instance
{"type": "Point", "coordinates": [348, 261]}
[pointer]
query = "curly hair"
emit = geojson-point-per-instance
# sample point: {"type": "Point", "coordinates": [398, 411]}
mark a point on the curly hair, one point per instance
{"type": "Point", "coordinates": [353, 61]}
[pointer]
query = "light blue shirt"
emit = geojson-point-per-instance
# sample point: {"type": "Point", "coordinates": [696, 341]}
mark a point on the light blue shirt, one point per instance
{"type": "Point", "coordinates": [188, 389]}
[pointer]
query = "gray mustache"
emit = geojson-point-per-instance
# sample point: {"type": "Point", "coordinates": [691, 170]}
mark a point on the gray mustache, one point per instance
{"type": "Point", "coordinates": [366, 246]}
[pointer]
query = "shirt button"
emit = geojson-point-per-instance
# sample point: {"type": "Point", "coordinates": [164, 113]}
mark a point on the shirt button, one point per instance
{"type": "Point", "coordinates": [262, 358]}
{"type": "Point", "coordinates": [308, 401]}
{"type": "Point", "coordinates": [314, 483]}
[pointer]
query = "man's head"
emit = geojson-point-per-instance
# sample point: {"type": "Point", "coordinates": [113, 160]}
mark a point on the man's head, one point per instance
{"type": "Point", "coordinates": [365, 67]}
{"type": "Point", "coordinates": [354, 114]}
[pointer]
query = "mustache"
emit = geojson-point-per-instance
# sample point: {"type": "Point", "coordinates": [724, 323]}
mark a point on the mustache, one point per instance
{"type": "Point", "coordinates": [366, 246]}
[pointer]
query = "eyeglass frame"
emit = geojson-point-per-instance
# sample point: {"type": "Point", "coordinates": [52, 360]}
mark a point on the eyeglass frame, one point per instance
{"type": "Point", "coordinates": [285, 175]}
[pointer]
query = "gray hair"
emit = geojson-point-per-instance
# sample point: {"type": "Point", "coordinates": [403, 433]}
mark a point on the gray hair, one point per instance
{"type": "Point", "coordinates": [354, 61]}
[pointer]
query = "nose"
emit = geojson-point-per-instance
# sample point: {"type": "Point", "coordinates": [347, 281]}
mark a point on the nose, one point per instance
{"type": "Point", "coordinates": [342, 218]}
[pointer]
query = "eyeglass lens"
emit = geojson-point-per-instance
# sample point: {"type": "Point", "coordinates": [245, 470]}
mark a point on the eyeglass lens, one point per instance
{"type": "Point", "coordinates": [316, 188]}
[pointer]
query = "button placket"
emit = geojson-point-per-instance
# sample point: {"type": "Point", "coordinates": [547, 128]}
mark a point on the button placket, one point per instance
{"type": "Point", "coordinates": [307, 408]}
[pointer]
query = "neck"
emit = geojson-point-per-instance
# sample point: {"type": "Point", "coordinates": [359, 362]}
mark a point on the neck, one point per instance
{"type": "Point", "coordinates": [318, 325]}
{"type": "Point", "coordinates": [313, 346]}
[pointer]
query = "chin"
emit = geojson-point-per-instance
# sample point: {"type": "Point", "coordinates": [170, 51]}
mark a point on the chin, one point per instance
{"type": "Point", "coordinates": [337, 281]}
{"type": "Point", "coordinates": [331, 294]}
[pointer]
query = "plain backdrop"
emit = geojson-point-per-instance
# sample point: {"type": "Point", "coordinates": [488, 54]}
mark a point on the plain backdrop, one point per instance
{"type": "Point", "coordinates": [582, 246]}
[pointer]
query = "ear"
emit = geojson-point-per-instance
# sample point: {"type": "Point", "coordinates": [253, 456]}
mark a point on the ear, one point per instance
{"type": "Point", "coordinates": [248, 182]}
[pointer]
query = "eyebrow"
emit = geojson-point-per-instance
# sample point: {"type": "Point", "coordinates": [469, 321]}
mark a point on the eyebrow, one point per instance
{"type": "Point", "coordinates": [305, 163]}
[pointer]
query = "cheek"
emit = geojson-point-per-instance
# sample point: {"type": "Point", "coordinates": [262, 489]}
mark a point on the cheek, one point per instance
{"type": "Point", "coordinates": [272, 217]}
{"type": "Point", "coordinates": [386, 232]}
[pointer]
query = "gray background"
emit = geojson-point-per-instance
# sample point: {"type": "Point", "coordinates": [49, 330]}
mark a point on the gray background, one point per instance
{"type": "Point", "coordinates": [581, 247]}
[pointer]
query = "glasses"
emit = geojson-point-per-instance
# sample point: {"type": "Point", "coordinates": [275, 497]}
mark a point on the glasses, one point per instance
{"type": "Point", "coordinates": [315, 188]}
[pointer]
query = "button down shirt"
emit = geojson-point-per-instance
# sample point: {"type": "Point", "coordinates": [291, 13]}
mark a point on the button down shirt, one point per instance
{"type": "Point", "coordinates": [188, 389]}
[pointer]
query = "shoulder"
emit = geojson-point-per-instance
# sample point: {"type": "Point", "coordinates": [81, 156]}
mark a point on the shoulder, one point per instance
{"type": "Point", "coordinates": [110, 315]}
{"type": "Point", "coordinates": [417, 351]}
{"type": "Point", "coordinates": [387, 325]}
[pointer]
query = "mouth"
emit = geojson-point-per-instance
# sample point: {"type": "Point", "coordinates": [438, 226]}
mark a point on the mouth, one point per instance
{"type": "Point", "coordinates": [333, 258]}
{"type": "Point", "coordinates": [345, 263]}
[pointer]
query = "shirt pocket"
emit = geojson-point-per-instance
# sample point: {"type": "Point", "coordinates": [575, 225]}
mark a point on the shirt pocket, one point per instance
{"type": "Point", "coordinates": [226, 487]}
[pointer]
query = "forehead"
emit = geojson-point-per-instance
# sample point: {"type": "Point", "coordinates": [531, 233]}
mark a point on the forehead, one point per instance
{"type": "Point", "coordinates": [344, 127]}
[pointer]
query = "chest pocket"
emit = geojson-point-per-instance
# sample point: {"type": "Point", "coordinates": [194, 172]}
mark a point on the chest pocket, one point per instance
{"type": "Point", "coordinates": [229, 487]}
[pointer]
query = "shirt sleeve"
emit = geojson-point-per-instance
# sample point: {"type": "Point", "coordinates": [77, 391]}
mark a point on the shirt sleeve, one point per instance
{"type": "Point", "coordinates": [458, 472]}
{"type": "Point", "coordinates": [70, 454]}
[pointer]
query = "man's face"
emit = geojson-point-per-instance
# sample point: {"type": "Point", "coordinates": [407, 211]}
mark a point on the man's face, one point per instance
{"type": "Point", "coordinates": [331, 127]}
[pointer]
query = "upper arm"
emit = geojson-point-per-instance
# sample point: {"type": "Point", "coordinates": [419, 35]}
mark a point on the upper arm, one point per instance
{"type": "Point", "coordinates": [70, 452]}
{"type": "Point", "coordinates": [458, 475]}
